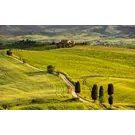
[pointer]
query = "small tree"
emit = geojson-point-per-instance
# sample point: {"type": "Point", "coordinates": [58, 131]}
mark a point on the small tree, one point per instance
{"type": "Point", "coordinates": [101, 94]}
{"type": "Point", "coordinates": [50, 69]}
{"type": "Point", "coordinates": [110, 100]}
{"type": "Point", "coordinates": [94, 92]}
{"type": "Point", "coordinates": [110, 89]}
{"type": "Point", "coordinates": [77, 87]}
{"type": "Point", "coordinates": [9, 52]}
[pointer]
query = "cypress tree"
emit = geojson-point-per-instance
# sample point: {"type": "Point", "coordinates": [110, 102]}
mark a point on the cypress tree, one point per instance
{"type": "Point", "coordinates": [110, 89]}
{"type": "Point", "coordinates": [110, 93]}
{"type": "Point", "coordinates": [94, 92]}
{"type": "Point", "coordinates": [110, 100]}
{"type": "Point", "coordinates": [101, 91]}
{"type": "Point", "coordinates": [101, 94]}
{"type": "Point", "coordinates": [77, 87]}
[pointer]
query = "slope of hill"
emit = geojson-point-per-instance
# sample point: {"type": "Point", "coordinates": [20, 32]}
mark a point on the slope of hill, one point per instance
{"type": "Point", "coordinates": [93, 64]}
{"type": "Point", "coordinates": [24, 88]}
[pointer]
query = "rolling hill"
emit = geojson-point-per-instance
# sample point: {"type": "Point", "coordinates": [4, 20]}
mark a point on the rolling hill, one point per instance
{"type": "Point", "coordinates": [108, 30]}
{"type": "Point", "coordinates": [24, 88]}
{"type": "Point", "coordinates": [90, 65]}
{"type": "Point", "coordinates": [100, 62]}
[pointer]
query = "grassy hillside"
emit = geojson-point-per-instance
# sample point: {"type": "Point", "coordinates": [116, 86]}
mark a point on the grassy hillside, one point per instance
{"type": "Point", "coordinates": [93, 64]}
{"type": "Point", "coordinates": [22, 87]}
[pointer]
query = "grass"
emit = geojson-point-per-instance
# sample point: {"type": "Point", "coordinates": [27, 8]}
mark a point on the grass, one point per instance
{"type": "Point", "coordinates": [23, 88]}
{"type": "Point", "coordinates": [92, 64]}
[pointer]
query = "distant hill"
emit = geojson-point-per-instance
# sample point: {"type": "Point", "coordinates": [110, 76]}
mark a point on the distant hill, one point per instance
{"type": "Point", "coordinates": [105, 30]}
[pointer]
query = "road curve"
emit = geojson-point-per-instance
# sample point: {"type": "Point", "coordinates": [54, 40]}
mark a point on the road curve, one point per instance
{"type": "Point", "coordinates": [74, 94]}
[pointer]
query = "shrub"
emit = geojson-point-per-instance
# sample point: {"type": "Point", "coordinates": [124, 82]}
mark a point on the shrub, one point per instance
{"type": "Point", "coordinates": [50, 69]}
{"type": "Point", "coordinates": [110, 89]}
{"type": "Point", "coordinates": [94, 92]}
{"type": "Point", "coordinates": [77, 87]}
{"type": "Point", "coordinates": [9, 52]}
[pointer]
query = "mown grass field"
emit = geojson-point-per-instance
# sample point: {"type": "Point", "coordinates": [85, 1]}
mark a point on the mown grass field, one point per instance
{"type": "Point", "coordinates": [90, 65]}
{"type": "Point", "coordinates": [22, 87]}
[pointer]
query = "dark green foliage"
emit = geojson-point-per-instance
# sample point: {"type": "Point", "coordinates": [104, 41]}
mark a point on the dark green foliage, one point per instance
{"type": "Point", "coordinates": [5, 106]}
{"type": "Point", "coordinates": [94, 92]}
{"type": "Point", "coordinates": [30, 44]}
{"type": "Point", "coordinates": [9, 52]}
{"type": "Point", "coordinates": [101, 94]}
{"type": "Point", "coordinates": [77, 87]}
{"type": "Point", "coordinates": [23, 44]}
{"type": "Point", "coordinates": [50, 69]}
{"type": "Point", "coordinates": [110, 92]}
{"type": "Point", "coordinates": [101, 91]}
{"type": "Point", "coordinates": [110, 89]}
{"type": "Point", "coordinates": [110, 100]}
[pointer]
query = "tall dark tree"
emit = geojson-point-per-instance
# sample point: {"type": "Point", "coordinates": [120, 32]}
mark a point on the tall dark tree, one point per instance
{"type": "Point", "coordinates": [110, 89]}
{"type": "Point", "coordinates": [110, 100]}
{"type": "Point", "coordinates": [101, 94]}
{"type": "Point", "coordinates": [94, 92]}
{"type": "Point", "coordinates": [77, 87]}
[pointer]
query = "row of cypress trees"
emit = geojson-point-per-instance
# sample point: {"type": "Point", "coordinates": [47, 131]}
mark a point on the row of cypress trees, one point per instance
{"type": "Point", "coordinates": [95, 94]}
{"type": "Point", "coordinates": [110, 91]}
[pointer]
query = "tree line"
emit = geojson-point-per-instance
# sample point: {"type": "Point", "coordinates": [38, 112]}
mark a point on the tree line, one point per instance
{"type": "Point", "coordinates": [24, 44]}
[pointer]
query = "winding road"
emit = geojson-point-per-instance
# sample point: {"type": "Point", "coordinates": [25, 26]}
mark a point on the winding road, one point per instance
{"type": "Point", "coordinates": [62, 76]}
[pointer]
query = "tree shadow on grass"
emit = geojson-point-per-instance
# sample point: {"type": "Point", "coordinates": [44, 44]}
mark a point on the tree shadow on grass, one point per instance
{"type": "Point", "coordinates": [36, 73]}
{"type": "Point", "coordinates": [71, 100]}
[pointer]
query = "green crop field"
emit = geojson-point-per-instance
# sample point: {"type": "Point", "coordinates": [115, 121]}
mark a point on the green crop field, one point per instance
{"type": "Point", "coordinates": [22, 87]}
{"type": "Point", "coordinates": [90, 65]}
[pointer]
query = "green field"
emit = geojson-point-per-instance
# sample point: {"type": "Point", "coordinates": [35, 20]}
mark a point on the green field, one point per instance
{"type": "Point", "coordinates": [22, 87]}
{"type": "Point", "coordinates": [90, 65]}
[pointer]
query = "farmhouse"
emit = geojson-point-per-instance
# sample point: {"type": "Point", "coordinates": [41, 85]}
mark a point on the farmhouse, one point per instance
{"type": "Point", "coordinates": [67, 42]}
